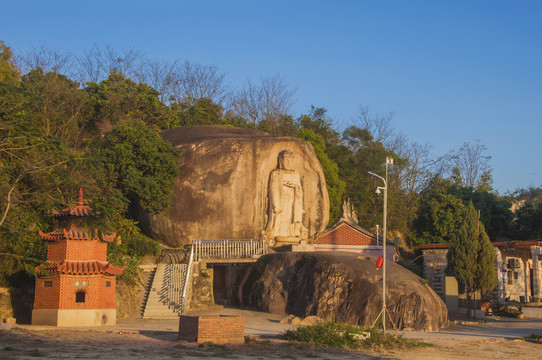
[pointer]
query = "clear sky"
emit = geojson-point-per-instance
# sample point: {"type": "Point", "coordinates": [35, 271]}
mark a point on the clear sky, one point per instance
{"type": "Point", "coordinates": [452, 71]}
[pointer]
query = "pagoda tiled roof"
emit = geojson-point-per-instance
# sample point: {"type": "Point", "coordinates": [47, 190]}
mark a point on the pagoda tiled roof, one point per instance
{"type": "Point", "coordinates": [74, 234]}
{"type": "Point", "coordinates": [92, 267]}
{"type": "Point", "coordinates": [78, 210]}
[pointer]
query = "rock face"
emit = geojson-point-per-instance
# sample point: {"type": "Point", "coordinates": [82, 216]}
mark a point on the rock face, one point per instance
{"type": "Point", "coordinates": [342, 287]}
{"type": "Point", "coordinates": [241, 183]}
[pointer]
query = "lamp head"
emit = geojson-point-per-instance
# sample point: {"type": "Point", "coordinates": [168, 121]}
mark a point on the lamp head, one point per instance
{"type": "Point", "coordinates": [377, 192]}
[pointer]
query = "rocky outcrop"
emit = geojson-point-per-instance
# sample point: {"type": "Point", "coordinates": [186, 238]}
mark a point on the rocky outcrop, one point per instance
{"type": "Point", "coordinates": [228, 176]}
{"type": "Point", "coordinates": [342, 287]}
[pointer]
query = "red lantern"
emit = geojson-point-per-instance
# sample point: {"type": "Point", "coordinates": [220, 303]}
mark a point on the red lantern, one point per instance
{"type": "Point", "coordinates": [379, 262]}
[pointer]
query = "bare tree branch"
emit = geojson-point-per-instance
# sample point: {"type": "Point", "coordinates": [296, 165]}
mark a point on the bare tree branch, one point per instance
{"type": "Point", "coordinates": [161, 76]}
{"type": "Point", "coordinates": [194, 81]}
{"type": "Point", "coordinates": [269, 100]}
{"type": "Point", "coordinates": [47, 59]}
{"type": "Point", "coordinates": [97, 63]}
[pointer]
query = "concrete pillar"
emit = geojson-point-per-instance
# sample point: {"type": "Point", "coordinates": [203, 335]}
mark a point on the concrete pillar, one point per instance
{"type": "Point", "coordinates": [536, 251]}
{"type": "Point", "coordinates": [526, 279]}
{"type": "Point", "coordinates": [500, 275]}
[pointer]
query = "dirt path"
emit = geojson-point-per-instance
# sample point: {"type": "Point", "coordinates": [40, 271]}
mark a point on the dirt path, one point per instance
{"type": "Point", "coordinates": [20, 343]}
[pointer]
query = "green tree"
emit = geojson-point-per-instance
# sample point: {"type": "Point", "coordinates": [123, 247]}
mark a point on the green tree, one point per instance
{"type": "Point", "coordinates": [143, 165]}
{"type": "Point", "coordinates": [202, 111]}
{"type": "Point", "coordinates": [317, 121]}
{"type": "Point", "coordinates": [118, 99]}
{"type": "Point", "coordinates": [485, 271]}
{"type": "Point", "coordinates": [462, 254]}
{"type": "Point", "coordinates": [335, 186]}
{"type": "Point", "coordinates": [281, 125]}
{"type": "Point", "coordinates": [471, 256]}
{"type": "Point", "coordinates": [364, 154]}
{"type": "Point", "coordinates": [56, 105]}
{"type": "Point", "coordinates": [495, 211]}
{"type": "Point", "coordinates": [527, 223]}
{"type": "Point", "coordinates": [9, 72]}
{"type": "Point", "coordinates": [438, 219]}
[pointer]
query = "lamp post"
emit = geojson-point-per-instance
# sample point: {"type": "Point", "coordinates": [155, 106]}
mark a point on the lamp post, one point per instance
{"type": "Point", "coordinates": [389, 161]}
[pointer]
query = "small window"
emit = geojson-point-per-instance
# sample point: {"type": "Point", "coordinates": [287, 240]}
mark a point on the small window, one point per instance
{"type": "Point", "coordinates": [515, 275]}
{"type": "Point", "coordinates": [80, 283]}
{"type": "Point", "coordinates": [47, 283]}
{"type": "Point", "coordinates": [108, 284]}
{"type": "Point", "coordinates": [80, 297]}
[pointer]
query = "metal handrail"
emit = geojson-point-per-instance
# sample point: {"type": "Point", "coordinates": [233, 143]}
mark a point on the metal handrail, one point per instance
{"type": "Point", "coordinates": [187, 280]}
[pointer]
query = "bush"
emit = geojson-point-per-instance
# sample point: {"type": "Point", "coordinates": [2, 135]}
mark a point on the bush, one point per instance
{"type": "Point", "coordinates": [140, 245]}
{"type": "Point", "coordinates": [117, 255]}
{"type": "Point", "coordinates": [534, 338]}
{"type": "Point", "coordinates": [344, 336]}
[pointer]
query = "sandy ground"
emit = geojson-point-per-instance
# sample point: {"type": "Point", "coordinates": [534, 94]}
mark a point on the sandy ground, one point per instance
{"type": "Point", "coordinates": [157, 339]}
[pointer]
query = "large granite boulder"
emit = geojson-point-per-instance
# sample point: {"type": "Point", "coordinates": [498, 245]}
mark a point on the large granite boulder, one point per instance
{"type": "Point", "coordinates": [241, 183]}
{"type": "Point", "coordinates": [342, 287]}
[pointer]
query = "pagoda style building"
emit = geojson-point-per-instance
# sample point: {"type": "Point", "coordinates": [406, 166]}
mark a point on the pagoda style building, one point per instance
{"type": "Point", "coordinates": [77, 285]}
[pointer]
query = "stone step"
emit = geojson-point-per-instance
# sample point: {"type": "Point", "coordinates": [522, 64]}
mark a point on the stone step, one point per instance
{"type": "Point", "coordinates": [164, 298]}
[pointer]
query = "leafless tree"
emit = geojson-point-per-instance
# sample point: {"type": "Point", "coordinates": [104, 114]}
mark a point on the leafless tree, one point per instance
{"type": "Point", "coordinates": [381, 128]}
{"type": "Point", "coordinates": [161, 75]}
{"type": "Point", "coordinates": [97, 63]}
{"type": "Point", "coordinates": [419, 168]}
{"type": "Point", "coordinates": [47, 59]}
{"type": "Point", "coordinates": [192, 81]}
{"type": "Point", "coordinates": [269, 100]}
{"type": "Point", "coordinates": [469, 166]}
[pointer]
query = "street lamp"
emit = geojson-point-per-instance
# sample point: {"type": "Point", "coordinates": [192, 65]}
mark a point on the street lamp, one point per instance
{"type": "Point", "coordinates": [389, 161]}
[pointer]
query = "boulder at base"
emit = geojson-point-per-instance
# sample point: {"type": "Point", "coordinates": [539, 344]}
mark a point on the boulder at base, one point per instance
{"type": "Point", "coordinates": [241, 183]}
{"type": "Point", "coordinates": [342, 287]}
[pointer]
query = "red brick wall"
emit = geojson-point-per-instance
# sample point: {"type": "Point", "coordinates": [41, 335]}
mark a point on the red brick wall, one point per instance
{"type": "Point", "coordinates": [211, 328]}
{"type": "Point", "coordinates": [62, 294]}
{"type": "Point", "coordinates": [345, 235]}
{"type": "Point", "coordinates": [47, 297]}
{"type": "Point", "coordinates": [80, 250]}
{"type": "Point", "coordinates": [56, 251]}
{"type": "Point", "coordinates": [108, 293]}
{"type": "Point", "coordinates": [101, 251]}
{"type": "Point", "coordinates": [97, 296]}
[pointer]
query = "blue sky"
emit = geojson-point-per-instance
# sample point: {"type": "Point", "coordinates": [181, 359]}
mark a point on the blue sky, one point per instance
{"type": "Point", "coordinates": [452, 71]}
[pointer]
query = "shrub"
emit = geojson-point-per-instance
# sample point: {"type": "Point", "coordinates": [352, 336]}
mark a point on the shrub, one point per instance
{"type": "Point", "coordinates": [344, 336]}
{"type": "Point", "coordinates": [140, 245]}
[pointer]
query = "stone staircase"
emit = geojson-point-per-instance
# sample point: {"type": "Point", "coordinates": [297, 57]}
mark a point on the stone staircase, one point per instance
{"type": "Point", "coordinates": [164, 300]}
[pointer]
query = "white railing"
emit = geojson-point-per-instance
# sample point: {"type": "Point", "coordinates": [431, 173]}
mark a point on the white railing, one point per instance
{"type": "Point", "coordinates": [187, 281]}
{"type": "Point", "coordinates": [228, 248]}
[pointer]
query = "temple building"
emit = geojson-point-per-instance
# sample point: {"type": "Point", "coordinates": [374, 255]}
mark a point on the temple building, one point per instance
{"type": "Point", "coordinates": [347, 235]}
{"type": "Point", "coordinates": [518, 266]}
{"type": "Point", "coordinates": [76, 287]}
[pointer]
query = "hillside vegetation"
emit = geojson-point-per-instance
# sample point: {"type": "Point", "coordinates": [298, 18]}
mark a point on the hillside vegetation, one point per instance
{"type": "Point", "coordinates": [92, 122]}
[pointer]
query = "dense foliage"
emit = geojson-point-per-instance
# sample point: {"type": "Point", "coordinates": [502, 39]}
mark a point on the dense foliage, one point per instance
{"type": "Point", "coordinates": [96, 126]}
{"type": "Point", "coordinates": [51, 145]}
